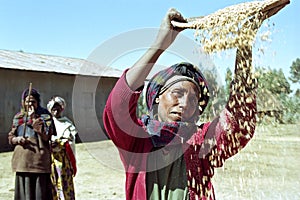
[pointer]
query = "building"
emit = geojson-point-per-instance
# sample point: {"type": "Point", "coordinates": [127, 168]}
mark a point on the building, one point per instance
{"type": "Point", "coordinates": [84, 85]}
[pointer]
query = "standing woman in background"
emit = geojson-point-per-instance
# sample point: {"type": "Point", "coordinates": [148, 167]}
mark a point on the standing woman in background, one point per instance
{"type": "Point", "coordinates": [32, 156]}
{"type": "Point", "coordinates": [63, 151]}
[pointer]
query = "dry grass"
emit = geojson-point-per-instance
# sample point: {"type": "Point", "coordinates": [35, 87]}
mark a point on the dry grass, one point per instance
{"type": "Point", "coordinates": [268, 168]}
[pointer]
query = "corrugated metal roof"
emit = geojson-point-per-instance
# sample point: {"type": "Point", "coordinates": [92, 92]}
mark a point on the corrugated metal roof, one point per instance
{"type": "Point", "coordinates": [48, 63]}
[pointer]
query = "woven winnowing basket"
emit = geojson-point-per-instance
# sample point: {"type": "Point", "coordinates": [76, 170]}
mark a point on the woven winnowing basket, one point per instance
{"type": "Point", "coordinates": [232, 26]}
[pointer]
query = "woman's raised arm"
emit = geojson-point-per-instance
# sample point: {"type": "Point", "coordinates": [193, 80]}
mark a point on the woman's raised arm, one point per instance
{"type": "Point", "coordinates": [137, 74]}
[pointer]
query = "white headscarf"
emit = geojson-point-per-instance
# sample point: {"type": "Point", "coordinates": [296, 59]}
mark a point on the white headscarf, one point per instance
{"type": "Point", "coordinates": [54, 100]}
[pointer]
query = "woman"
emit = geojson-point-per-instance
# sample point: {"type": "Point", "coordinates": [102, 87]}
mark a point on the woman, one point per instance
{"type": "Point", "coordinates": [31, 131]}
{"type": "Point", "coordinates": [63, 151]}
{"type": "Point", "coordinates": [166, 155]}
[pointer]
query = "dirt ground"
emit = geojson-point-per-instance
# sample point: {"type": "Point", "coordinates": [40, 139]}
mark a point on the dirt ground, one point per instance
{"type": "Point", "coordinates": [268, 168]}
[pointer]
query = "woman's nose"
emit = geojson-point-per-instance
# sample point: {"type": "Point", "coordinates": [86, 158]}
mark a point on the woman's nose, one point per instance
{"type": "Point", "coordinates": [183, 101]}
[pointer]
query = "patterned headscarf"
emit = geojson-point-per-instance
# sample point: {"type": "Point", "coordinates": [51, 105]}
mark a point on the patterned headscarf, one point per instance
{"type": "Point", "coordinates": [193, 74]}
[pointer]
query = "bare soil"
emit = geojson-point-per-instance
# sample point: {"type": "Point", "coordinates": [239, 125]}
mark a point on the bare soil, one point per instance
{"type": "Point", "coordinates": [268, 168]}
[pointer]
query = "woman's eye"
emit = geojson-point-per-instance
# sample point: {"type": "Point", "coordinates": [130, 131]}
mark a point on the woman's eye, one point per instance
{"type": "Point", "coordinates": [177, 92]}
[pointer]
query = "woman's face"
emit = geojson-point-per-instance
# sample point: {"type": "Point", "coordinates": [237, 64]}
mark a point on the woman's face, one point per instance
{"type": "Point", "coordinates": [56, 110]}
{"type": "Point", "coordinates": [30, 103]}
{"type": "Point", "coordinates": [179, 102]}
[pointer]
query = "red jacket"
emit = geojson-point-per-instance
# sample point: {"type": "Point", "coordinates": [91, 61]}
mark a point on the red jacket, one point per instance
{"type": "Point", "coordinates": [224, 137]}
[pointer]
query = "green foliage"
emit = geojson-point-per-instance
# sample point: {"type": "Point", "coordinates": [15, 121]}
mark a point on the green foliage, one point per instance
{"type": "Point", "coordinates": [291, 111]}
{"type": "Point", "coordinates": [274, 90]}
{"type": "Point", "coordinates": [295, 71]}
{"type": "Point", "coordinates": [274, 93]}
{"type": "Point", "coordinates": [217, 97]}
{"type": "Point", "coordinates": [297, 93]}
{"type": "Point", "coordinates": [141, 107]}
{"type": "Point", "coordinates": [274, 81]}
{"type": "Point", "coordinates": [228, 79]}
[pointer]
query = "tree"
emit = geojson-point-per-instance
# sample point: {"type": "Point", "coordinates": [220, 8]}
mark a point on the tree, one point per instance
{"type": "Point", "coordinates": [141, 107]}
{"type": "Point", "coordinates": [228, 79]}
{"type": "Point", "coordinates": [295, 74]}
{"type": "Point", "coordinates": [297, 93]}
{"type": "Point", "coordinates": [291, 112]}
{"type": "Point", "coordinates": [295, 71]}
{"type": "Point", "coordinates": [274, 81]}
{"type": "Point", "coordinates": [217, 95]}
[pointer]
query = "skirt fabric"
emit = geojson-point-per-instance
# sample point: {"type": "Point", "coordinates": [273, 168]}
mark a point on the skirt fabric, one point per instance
{"type": "Point", "coordinates": [33, 186]}
{"type": "Point", "coordinates": [62, 177]}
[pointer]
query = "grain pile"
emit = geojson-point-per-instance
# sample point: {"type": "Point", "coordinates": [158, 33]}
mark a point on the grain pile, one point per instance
{"type": "Point", "coordinates": [233, 26]}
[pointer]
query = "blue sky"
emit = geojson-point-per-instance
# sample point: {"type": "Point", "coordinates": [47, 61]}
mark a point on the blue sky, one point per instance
{"type": "Point", "coordinates": [76, 28]}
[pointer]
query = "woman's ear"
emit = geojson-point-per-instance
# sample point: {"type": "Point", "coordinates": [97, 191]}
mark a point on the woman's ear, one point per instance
{"type": "Point", "coordinates": [156, 100]}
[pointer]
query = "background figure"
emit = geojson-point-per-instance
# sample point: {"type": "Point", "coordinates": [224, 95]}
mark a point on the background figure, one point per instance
{"type": "Point", "coordinates": [32, 157]}
{"type": "Point", "coordinates": [63, 151]}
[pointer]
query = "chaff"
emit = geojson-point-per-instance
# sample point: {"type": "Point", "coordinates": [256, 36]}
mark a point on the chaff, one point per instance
{"type": "Point", "coordinates": [232, 26]}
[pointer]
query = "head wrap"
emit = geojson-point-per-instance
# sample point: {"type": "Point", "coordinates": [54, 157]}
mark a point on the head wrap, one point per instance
{"type": "Point", "coordinates": [33, 93]}
{"type": "Point", "coordinates": [19, 118]}
{"type": "Point", "coordinates": [56, 99]}
{"type": "Point", "coordinates": [157, 82]}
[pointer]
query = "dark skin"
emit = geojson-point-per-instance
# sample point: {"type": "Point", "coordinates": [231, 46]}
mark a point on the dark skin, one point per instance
{"type": "Point", "coordinates": [179, 102]}
{"type": "Point", "coordinates": [138, 73]}
{"type": "Point", "coordinates": [30, 105]}
{"type": "Point", "coordinates": [56, 111]}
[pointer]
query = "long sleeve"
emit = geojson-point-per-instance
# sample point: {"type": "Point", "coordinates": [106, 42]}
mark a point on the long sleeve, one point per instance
{"type": "Point", "coordinates": [120, 118]}
{"type": "Point", "coordinates": [233, 129]}
{"type": "Point", "coordinates": [127, 134]}
{"type": "Point", "coordinates": [242, 99]}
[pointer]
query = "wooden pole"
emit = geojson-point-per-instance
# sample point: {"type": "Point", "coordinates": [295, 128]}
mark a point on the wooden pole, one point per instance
{"type": "Point", "coordinates": [27, 108]}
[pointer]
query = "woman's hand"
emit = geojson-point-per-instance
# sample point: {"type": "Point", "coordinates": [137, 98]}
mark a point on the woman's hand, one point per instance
{"type": "Point", "coordinates": [30, 111]}
{"type": "Point", "coordinates": [167, 32]}
{"type": "Point", "coordinates": [138, 73]}
{"type": "Point", "coordinates": [21, 140]}
{"type": "Point", "coordinates": [39, 127]}
{"type": "Point", "coordinates": [37, 124]}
